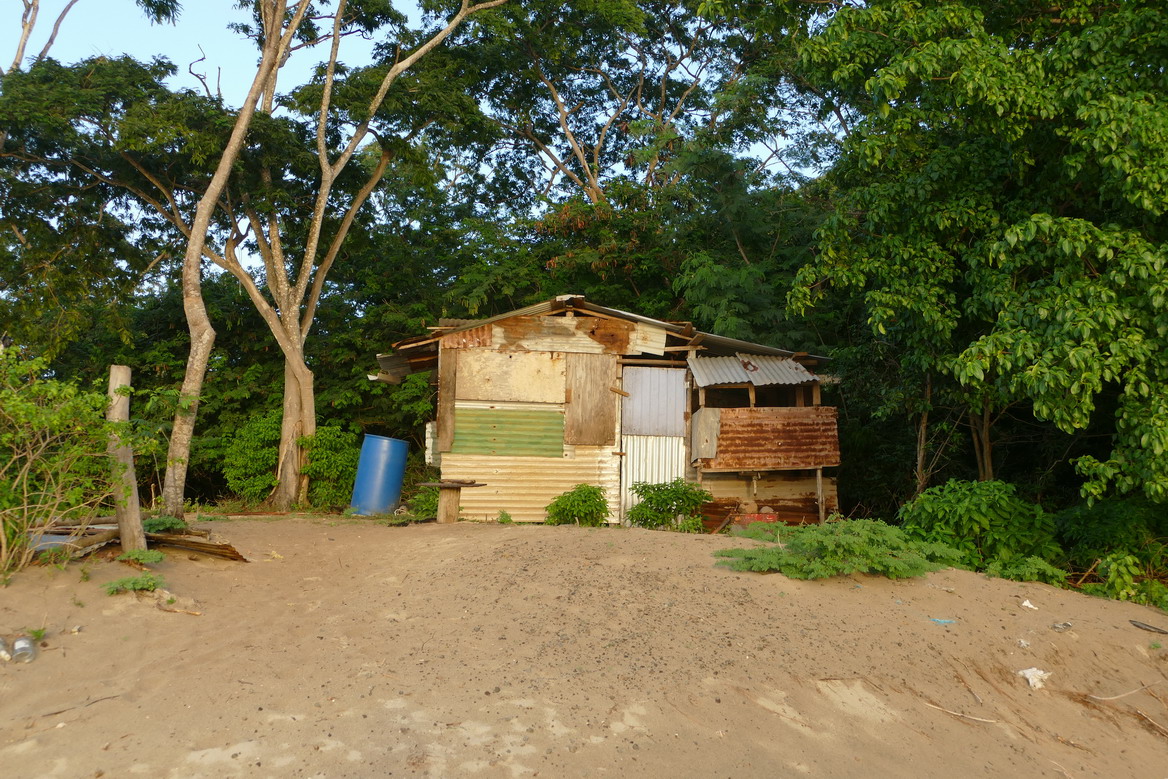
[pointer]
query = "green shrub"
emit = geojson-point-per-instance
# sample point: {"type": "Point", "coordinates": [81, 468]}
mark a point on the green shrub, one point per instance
{"type": "Point", "coordinates": [584, 505]}
{"type": "Point", "coordinates": [672, 505]}
{"type": "Point", "coordinates": [147, 582]}
{"type": "Point", "coordinates": [424, 504]}
{"type": "Point", "coordinates": [143, 556]}
{"type": "Point", "coordinates": [332, 466]}
{"type": "Point", "coordinates": [1027, 569]}
{"type": "Point", "coordinates": [1131, 526]}
{"type": "Point", "coordinates": [844, 547]}
{"type": "Point", "coordinates": [53, 464]}
{"type": "Point", "coordinates": [164, 524]}
{"type": "Point", "coordinates": [250, 463]}
{"type": "Point", "coordinates": [985, 521]}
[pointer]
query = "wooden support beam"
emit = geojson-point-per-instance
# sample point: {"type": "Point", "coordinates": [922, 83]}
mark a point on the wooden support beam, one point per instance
{"type": "Point", "coordinates": [125, 481]}
{"type": "Point", "coordinates": [819, 495]}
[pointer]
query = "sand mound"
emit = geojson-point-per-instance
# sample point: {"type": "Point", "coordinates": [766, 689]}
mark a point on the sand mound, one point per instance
{"type": "Point", "coordinates": [351, 649]}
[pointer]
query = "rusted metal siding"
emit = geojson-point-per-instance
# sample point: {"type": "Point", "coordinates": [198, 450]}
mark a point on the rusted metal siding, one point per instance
{"type": "Point", "coordinates": [773, 439]}
{"type": "Point", "coordinates": [520, 430]}
{"type": "Point", "coordinates": [477, 337]}
{"type": "Point", "coordinates": [649, 458]}
{"type": "Point", "coordinates": [523, 486]}
{"type": "Point", "coordinates": [791, 497]}
{"type": "Point", "coordinates": [656, 401]}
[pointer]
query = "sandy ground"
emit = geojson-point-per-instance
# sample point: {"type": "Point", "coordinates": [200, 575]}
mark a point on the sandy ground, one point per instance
{"type": "Point", "coordinates": [347, 649]}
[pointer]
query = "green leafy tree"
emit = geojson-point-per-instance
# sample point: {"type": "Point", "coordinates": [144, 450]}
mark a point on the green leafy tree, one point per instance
{"type": "Point", "coordinates": [1001, 212]}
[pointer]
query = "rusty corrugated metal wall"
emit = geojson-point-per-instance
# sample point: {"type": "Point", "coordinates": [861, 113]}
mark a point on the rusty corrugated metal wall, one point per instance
{"type": "Point", "coordinates": [773, 439]}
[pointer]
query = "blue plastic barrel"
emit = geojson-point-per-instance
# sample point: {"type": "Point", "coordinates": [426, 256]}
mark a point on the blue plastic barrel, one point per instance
{"type": "Point", "coordinates": [379, 475]}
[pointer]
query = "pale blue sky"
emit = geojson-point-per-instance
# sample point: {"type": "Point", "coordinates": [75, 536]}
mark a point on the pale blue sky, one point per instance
{"type": "Point", "coordinates": [116, 27]}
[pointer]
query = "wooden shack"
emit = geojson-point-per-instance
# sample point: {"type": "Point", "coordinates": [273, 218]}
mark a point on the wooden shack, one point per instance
{"type": "Point", "coordinates": [567, 392]}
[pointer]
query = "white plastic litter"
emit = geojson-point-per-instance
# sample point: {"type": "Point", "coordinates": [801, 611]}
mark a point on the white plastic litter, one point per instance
{"type": "Point", "coordinates": [1028, 605]}
{"type": "Point", "coordinates": [1035, 677]}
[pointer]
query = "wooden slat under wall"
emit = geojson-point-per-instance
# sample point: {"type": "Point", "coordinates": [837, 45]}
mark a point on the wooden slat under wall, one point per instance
{"type": "Point", "coordinates": [591, 407]}
{"type": "Point", "coordinates": [447, 375]}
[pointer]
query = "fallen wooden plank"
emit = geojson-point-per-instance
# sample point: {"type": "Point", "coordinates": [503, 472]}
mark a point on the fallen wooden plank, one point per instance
{"type": "Point", "coordinates": [224, 550]}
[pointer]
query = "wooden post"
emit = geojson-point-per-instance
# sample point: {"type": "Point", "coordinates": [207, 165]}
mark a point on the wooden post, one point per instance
{"type": "Point", "coordinates": [124, 479]}
{"type": "Point", "coordinates": [448, 499]}
{"type": "Point", "coordinates": [819, 495]}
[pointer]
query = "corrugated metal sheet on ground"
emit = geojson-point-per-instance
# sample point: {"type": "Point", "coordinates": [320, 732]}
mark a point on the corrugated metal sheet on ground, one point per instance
{"type": "Point", "coordinates": [652, 459]}
{"type": "Point", "coordinates": [758, 369]}
{"type": "Point", "coordinates": [534, 431]}
{"type": "Point", "coordinates": [523, 486]}
{"type": "Point", "coordinates": [772, 439]}
{"type": "Point", "coordinates": [656, 401]}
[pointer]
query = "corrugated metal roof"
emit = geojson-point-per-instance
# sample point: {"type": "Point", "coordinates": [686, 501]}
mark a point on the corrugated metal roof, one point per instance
{"type": "Point", "coordinates": [578, 303]}
{"type": "Point", "coordinates": [758, 369]}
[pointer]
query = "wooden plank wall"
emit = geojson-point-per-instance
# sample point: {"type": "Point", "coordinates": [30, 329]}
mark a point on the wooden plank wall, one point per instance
{"type": "Point", "coordinates": [591, 405]}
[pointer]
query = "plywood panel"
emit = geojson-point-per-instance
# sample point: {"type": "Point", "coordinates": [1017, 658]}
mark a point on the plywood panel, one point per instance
{"type": "Point", "coordinates": [591, 407]}
{"type": "Point", "coordinates": [529, 377]}
{"type": "Point", "coordinates": [447, 386]}
{"type": "Point", "coordinates": [792, 496]}
{"type": "Point", "coordinates": [656, 401]}
{"type": "Point", "coordinates": [589, 335]}
{"type": "Point", "coordinates": [523, 486]}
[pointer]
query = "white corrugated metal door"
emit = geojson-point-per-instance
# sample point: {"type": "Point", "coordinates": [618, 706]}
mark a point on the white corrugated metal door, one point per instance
{"type": "Point", "coordinates": [652, 428]}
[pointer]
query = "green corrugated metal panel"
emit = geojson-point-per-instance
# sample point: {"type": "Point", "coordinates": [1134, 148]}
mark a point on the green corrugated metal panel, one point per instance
{"type": "Point", "coordinates": [511, 432]}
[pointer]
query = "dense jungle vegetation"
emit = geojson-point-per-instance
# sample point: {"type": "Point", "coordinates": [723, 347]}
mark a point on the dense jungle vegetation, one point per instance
{"type": "Point", "coordinates": [962, 203]}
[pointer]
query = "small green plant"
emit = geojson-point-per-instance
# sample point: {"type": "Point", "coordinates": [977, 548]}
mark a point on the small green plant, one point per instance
{"type": "Point", "coordinates": [147, 582]}
{"type": "Point", "coordinates": [674, 505]}
{"type": "Point", "coordinates": [1154, 645]}
{"type": "Point", "coordinates": [78, 602]}
{"type": "Point", "coordinates": [505, 519]}
{"type": "Point", "coordinates": [36, 634]}
{"type": "Point", "coordinates": [986, 521]}
{"type": "Point", "coordinates": [582, 505]}
{"type": "Point", "coordinates": [424, 504]}
{"type": "Point", "coordinates": [844, 547]}
{"type": "Point", "coordinates": [85, 572]}
{"type": "Point", "coordinates": [58, 556]}
{"type": "Point", "coordinates": [142, 556]}
{"type": "Point", "coordinates": [164, 523]}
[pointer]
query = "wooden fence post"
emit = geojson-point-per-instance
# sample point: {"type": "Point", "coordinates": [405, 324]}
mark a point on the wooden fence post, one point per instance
{"type": "Point", "coordinates": [125, 480]}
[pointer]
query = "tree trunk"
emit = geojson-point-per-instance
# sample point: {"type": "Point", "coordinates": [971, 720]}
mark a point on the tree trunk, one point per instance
{"type": "Point", "coordinates": [983, 450]}
{"type": "Point", "coordinates": [126, 483]}
{"type": "Point", "coordinates": [922, 470]}
{"type": "Point", "coordinates": [299, 420]}
{"type": "Point", "coordinates": [276, 43]}
{"type": "Point", "coordinates": [202, 340]}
